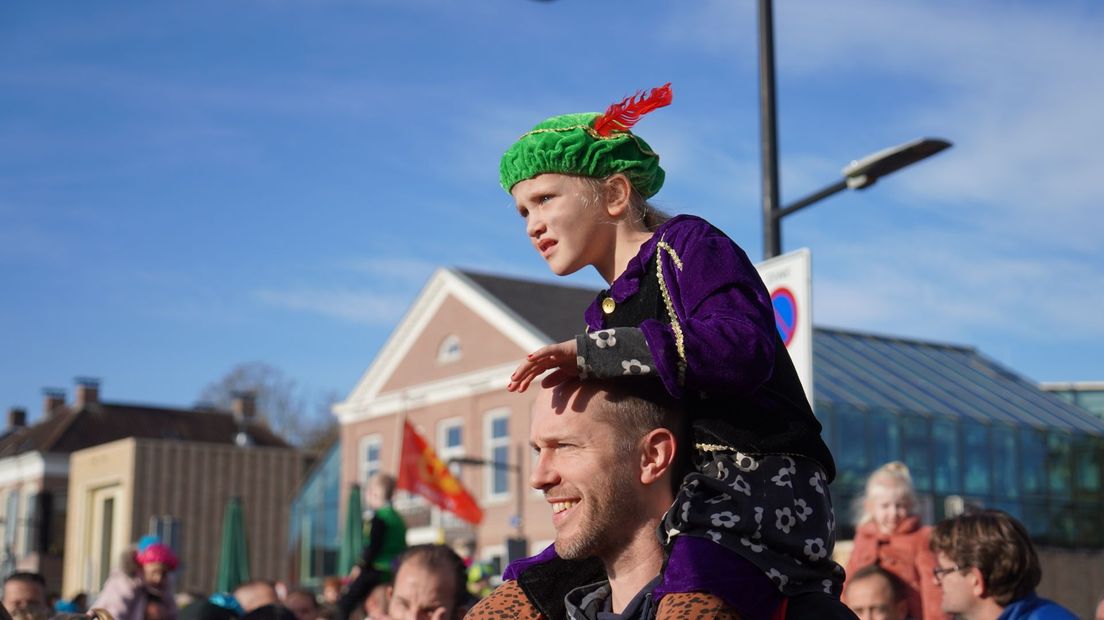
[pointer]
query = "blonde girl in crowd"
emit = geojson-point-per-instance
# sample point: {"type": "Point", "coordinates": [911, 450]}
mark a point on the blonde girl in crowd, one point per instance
{"type": "Point", "coordinates": [889, 534]}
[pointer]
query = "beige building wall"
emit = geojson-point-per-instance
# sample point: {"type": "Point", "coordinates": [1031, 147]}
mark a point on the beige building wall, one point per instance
{"type": "Point", "coordinates": [97, 475]}
{"type": "Point", "coordinates": [192, 483]}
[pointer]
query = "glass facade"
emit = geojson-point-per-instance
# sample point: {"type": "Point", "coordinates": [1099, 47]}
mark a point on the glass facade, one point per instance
{"type": "Point", "coordinates": [972, 431]}
{"type": "Point", "coordinates": [314, 534]}
{"type": "Point", "coordinates": [1049, 479]}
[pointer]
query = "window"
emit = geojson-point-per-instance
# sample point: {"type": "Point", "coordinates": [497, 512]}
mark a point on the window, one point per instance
{"type": "Point", "coordinates": [1033, 460]}
{"type": "Point", "coordinates": [496, 430]}
{"type": "Point", "coordinates": [58, 513]}
{"type": "Point", "coordinates": [947, 470]}
{"type": "Point", "coordinates": [1092, 400]}
{"type": "Point", "coordinates": [11, 519]}
{"type": "Point", "coordinates": [883, 437]}
{"type": "Point", "coordinates": [107, 531]}
{"type": "Point", "coordinates": [450, 440]}
{"type": "Point", "coordinates": [30, 501]}
{"type": "Point", "coordinates": [450, 350]}
{"type": "Point", "coordinates": [916, 446]}
{"type": "Point", "coordinates": [975, 458]}
{"type": "Point", "coordinates": [450, 445]}
{"type": "Point", "coordinates": [167, 528]}
{"type": "Point", "coordinates": [850, 443]}
{"type": "Point", "coordinates": [369, 456]}
{"type": "Point", "coordinates": [1089, 457]}
{"type": "Point", "coordinates": [1005, 457]}
{"type": "Point", "coordinates": [1059, 452]}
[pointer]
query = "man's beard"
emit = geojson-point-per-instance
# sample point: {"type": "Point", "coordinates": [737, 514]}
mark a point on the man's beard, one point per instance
{"type": "Point", "coordinates": [609, 514]}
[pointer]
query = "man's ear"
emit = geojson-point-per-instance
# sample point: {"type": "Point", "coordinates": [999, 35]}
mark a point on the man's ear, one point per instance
{"type": "Point", "coordinates": [977, 585]}
{"type": "Point", "coordinates": [618, 196]}
{"type": "Point", "coordinates": [657, 455]}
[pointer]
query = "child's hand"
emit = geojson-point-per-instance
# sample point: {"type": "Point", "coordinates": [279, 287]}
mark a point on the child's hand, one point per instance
{"type": "Point", "coordinates": [560, 356]}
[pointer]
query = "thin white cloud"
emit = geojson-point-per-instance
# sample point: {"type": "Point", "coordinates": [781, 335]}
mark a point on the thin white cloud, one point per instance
{"type": "Point", "coordinates": [938, 285]}
{"type": "Point", "coordinates": [355, 306]}
{"type": "Point", "coordinates": [411, 270]}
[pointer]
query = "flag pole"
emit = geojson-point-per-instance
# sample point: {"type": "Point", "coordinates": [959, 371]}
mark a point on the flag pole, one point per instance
{"type": "Point", "coordinates": [400, 428]}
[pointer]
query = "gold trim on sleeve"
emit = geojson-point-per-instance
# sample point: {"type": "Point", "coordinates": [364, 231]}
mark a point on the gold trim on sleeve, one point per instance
{"type": "Point", "coordinates": [676, 327]}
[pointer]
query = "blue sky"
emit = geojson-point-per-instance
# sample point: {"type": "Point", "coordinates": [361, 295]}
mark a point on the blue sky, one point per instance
{"type": "Point", "coordinates": [188, 186]}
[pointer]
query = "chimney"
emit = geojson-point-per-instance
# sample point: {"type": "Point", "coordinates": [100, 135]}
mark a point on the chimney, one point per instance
{"type": "Point", "coordinates": [53, 398]}
{"type": "Point", "coordinates": [88, 392]}
{"type": "Point", "coordinates": [17, 418]}
{"type": "Point", "coordinates": [245, 406]}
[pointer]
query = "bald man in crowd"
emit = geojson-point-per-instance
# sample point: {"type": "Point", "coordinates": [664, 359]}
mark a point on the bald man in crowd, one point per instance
{"type": "Point", "coordinates": [874, 593]}
{"type": "Point", "coordinates": [430, 584]}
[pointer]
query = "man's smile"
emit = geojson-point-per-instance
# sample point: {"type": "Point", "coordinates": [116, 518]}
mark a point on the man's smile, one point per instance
{"type": "Point", "coordinates": [558, 507]}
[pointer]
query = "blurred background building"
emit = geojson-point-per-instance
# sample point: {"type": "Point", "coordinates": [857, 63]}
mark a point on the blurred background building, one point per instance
{"type": "Point", "coordinates": [91, 477]}
{"type": "Point", "coordinates": [1088, 395]}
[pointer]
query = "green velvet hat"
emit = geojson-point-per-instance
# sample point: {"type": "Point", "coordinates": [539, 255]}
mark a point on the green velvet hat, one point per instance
{"type": "Point", "coordinates": [591, 145]}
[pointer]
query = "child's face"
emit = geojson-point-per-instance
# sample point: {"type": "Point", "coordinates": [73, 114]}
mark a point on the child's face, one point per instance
{"type": "Point", "coordinates": [568, 225]}
{"type": "Point", "coordinates": [154, 574]}
{"type": "Point", "coordinates": [888, 506]}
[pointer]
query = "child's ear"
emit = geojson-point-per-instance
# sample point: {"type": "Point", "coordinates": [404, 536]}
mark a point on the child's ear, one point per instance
{"type": "Point", "coordinates": [618, 195]}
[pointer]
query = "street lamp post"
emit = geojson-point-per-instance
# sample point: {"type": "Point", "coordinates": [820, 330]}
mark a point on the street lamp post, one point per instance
{"type": "Point", "coordinates": [859, 174]}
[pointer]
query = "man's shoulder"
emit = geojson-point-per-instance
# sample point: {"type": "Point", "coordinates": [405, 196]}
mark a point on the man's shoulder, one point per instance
{"type": "Point", "coordinates": [507, 601]}
{"type": "Point", "coordinates": [694, 605]}
{"type": "Point", "coordinates": [1034, 607]}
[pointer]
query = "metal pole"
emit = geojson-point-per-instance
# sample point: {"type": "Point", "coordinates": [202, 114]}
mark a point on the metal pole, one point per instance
{"type": "Point", "coordinates": [797, 205]}
{"type": "Point", "coordinates": [768, 133]}
{"type": "Point", "coordinates": [520, 491]}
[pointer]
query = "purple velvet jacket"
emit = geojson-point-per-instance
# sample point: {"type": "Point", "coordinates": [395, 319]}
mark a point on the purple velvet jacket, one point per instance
{"type": "Point", "coordinates": [691, 310]}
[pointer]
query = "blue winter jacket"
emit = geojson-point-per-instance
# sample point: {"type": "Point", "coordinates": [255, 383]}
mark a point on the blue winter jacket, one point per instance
{"type": "Point", "coordinates": [1031, 607]}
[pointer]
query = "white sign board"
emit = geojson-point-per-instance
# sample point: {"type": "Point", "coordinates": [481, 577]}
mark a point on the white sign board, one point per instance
{"type": "Point", "coordinates": [789, 280]}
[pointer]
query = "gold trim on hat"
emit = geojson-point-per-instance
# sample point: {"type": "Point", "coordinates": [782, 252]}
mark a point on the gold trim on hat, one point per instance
{"type": "Point", "coordinates": [593, 134]}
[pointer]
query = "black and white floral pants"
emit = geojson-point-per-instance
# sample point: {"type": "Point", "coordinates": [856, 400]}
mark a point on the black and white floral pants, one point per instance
{"type": "Point", "coordinates": [772, 510]}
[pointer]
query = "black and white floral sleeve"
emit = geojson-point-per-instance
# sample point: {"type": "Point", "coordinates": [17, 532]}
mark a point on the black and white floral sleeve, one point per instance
{"type": "Point", "coordinates": [614, 352]}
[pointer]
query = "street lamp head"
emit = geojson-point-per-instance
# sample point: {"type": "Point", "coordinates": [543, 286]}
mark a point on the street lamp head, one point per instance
{"type": "Point", "coordinates": [863, 173]}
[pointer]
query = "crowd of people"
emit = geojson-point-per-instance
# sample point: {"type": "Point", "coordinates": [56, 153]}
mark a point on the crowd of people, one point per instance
{"type": "Point", "coordinates": [980, 565]}
{"type": "Point", "coordinates": [430, 582]}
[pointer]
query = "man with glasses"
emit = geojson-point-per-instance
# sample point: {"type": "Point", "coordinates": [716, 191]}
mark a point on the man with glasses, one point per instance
{"type": "Point", "coordinates": [988, 569]}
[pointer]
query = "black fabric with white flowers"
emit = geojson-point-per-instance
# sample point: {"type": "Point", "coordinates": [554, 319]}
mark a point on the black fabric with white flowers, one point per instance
{"type": "Point", "coordinates": [774, 510]}
{"type": "Point", "coordinates": [610, 353]}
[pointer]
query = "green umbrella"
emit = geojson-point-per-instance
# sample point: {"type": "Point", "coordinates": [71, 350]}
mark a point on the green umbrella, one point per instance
{"type": "Point", "coordinates": [352, 537]}
{"type": "Point", "coordinates": [233, 566]}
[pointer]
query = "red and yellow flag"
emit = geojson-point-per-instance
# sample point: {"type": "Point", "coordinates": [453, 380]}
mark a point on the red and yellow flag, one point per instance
{"type": "Point", "coordinates": [421, 472]}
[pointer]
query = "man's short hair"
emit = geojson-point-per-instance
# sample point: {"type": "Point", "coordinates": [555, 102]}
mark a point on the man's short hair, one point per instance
{"type": "Point", "coordinates": [998, 546]}
{"type": "Point", "coordinates": [385, 483]}
{"type": "Point", "coordinates": [443, 559]}
{"type": "Point", "coordinates": [304, 592]}
{"type": "Point", "coordinates": [634, 408]}
{"type": "Point", "coordinates": [900, 590]}
{"type": "Point", "coordinates": [27, 577]}
{"type": "Point", "coordinates": [637, 407]}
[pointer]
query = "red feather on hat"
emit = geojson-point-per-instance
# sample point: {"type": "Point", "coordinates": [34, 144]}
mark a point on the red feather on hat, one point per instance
{"type": "Point", "coordinates": [621, 116]}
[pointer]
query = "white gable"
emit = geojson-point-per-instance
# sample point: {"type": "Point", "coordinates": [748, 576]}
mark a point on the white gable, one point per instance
{"type": "Point", "coordinates": [367, 399]}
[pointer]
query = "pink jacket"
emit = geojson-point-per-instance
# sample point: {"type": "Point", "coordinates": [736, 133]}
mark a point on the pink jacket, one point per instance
{"type": "Point", "coordinates": [124, 595]}
{"type": "Point", "coordinates": [906, 554]}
